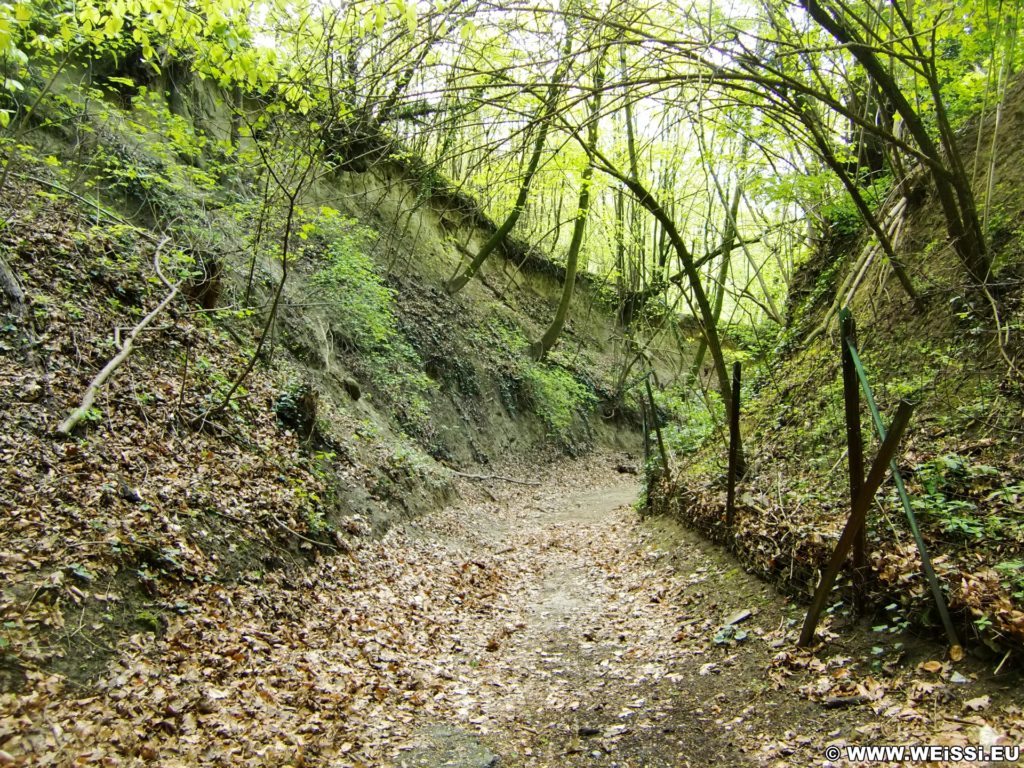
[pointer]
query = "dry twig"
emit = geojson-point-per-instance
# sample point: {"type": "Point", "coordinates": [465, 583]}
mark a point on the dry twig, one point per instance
{"type": "Point", "coordinates": [76, 416]}
{"type": "Point", "coordinates": [494, 477]}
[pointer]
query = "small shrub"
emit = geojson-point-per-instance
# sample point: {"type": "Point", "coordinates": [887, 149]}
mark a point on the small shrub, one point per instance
{"type": "Point", "coordinates": [362, 307]}
{"type": "Point", "coordinates": [557, 397]}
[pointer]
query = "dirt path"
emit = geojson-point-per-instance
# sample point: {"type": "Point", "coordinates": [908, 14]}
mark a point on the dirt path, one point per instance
{"type": "Point", "coordinates": [630, 643]}
{"type": "Point", "coordinates": [533, 626]}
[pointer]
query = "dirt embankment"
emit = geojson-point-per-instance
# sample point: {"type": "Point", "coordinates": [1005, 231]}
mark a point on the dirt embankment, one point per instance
{"type": "Point", "coordinates": [368, 388]}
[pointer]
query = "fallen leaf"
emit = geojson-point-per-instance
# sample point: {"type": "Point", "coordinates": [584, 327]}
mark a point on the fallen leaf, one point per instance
{"type": "Point", "coordinates": [978, 704]}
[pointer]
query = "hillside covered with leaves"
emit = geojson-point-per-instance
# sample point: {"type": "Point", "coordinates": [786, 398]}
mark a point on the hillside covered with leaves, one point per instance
{"type": "Point", "coordinates": [285, 381]}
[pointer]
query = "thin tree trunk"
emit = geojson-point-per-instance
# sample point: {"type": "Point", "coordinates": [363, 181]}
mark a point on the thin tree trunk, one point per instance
{"type": "Point", "coordinates": [540, 348]}
{"type": "Point", "coordinates": [690, 270]}
{"type": "Point", "coordinates": [545, 114]}
{"type": "Point", "coordinates": [729, 233]}
{"type": "Point", "coordinates": [635, 258]}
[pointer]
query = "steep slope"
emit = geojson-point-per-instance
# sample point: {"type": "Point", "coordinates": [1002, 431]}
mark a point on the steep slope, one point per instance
{"type": "Point", "coordinates": [957, 355]}
{"type": "Point", "coordinates": [369, 386]}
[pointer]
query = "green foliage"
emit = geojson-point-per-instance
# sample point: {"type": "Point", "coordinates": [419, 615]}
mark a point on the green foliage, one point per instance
{"type": "Point", "coordinates": [958, 495]}
{"type": "Point", "coordinates": [551, 389]}
{"type": "Point", "coordinates": [825, 268]}
{"type": "Point", "coordinates": [808, 188]}
{"type": "Point", "coordinates": [505, 338]}
{"type": "Point", "coordinates": [752, 341]}
{"type": "Point", "coordinates": [312, 507]}
{"type": "Point", "coordinates": [1012, 573]}
{"type": "Point", "coordinates": [690, 419]}
{"type": "Point", "coordinates": [841, 216]}
{"type": "Point", "coordinates": [147, 181]}
{"type": "Point", "coordinates": [361, 309]}
{"type": "Point", "coordinates": [840, 213]}
{"type": "Point", "coordinates": [150, 620]}
{"type": "Point", "coordinates": [292, 406]}
{"type": "Point", "coordinates": [396, 369]}
{"type": "Point", "coordinates": [315, 520]}
{"type": "Point", "coordinates": [948, 471]}
{"type": "Point", "coordinates": [361, 305]}
{"type": "Point", "coordinates": [557, 396]}
{"type": "Point", "coordinates": [405, 459]}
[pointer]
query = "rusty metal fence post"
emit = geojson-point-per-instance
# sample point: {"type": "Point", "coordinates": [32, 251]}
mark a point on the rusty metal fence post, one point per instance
{"type": "Point", "coordinates": [734, 448]}
{"type": "Point", "coordinates": [657, 429]}
{"type": "Point", "coordinates": [855, 448]}
{"type": "Point", "coordinates": [856, 520]}
{"type": "Point", "coordinates": [956, 651]}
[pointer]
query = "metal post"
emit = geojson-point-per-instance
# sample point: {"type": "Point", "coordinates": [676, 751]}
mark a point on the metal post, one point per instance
{"type": "Point", "coordinates": [657, 430]}
{"type": "Point", "coordinates": [647, 427]}
{"type": "Point", "coordinates": [855, 448]}
{"type": "Point", "coordinates": [926, 562]}
{"type": "Point", "coordinates": [857, 515]}
{"type": "Point", "coordinates": [734, 447]}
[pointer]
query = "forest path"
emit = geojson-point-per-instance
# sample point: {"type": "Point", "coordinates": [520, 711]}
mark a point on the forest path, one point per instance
{"type": "Point", "coordinates": [543, 625]}
{"type": "Point", "coordinates": [623, 642]}
{"type": "Point", "coordinates": [584, 661]}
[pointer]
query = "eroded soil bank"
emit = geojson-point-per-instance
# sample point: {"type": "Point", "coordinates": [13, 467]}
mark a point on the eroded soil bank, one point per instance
{"type": "Point", "coordinates": [530, 625]}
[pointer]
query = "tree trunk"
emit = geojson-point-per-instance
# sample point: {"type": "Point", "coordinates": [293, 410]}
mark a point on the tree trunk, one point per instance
{"type": "Point", "coordinates": [690, 270]}
{"type": "Point", "coordinates": [951, 184]}
{"type": "Point", "coordinates": [812, 124]}
{"type": "Point", "coordinates": [729, 233]}
{"type": "Point", "coordinates": [540, 348]}
{"type": "Point", "coordinates": [545, 114]}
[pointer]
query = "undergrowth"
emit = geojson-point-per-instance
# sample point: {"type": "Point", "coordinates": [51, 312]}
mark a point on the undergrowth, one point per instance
{"type": "Point", "coordinates": [551, 389]}
{"type": "Point", "coordinates": [361, 310]}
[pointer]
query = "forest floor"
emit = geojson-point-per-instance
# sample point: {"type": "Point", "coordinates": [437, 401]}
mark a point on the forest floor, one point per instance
{"type": "Point", "coordinates": [529, 625]}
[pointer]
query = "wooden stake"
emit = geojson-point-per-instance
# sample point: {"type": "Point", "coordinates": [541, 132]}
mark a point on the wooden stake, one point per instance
{"type": "Point", "coordinates": [860, 508]}
{"type": "Point", "coordinates": [855, 448]}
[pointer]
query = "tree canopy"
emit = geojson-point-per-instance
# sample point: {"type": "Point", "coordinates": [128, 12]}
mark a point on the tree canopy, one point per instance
{"type": "Point", "coordinates": [724, 127]}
